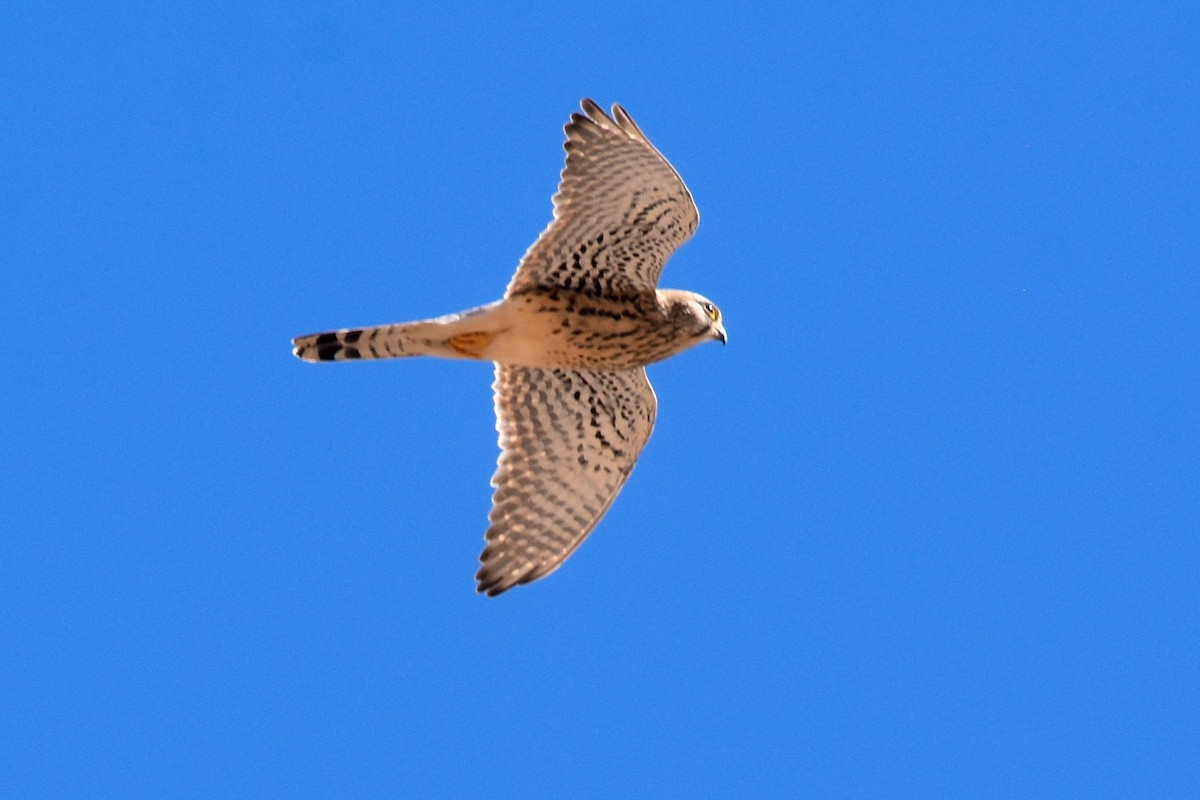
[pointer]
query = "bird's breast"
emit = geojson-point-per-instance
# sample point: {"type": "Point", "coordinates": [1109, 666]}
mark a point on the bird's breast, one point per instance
{"type": "Point", "coordinates": [574, 332]}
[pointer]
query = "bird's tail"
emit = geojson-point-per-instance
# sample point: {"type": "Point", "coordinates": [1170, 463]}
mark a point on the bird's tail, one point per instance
{"type": "Point", "coordinates": [464, 335]}
{"type": "Point", "coordinates": [381, 341]}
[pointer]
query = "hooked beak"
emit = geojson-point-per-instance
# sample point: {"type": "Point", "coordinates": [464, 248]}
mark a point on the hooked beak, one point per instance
{"type": "Point", "coordinates": [720, 334]}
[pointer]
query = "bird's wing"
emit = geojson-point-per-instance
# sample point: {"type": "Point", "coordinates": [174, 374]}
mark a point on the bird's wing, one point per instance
{"type": "Point", "coordinates": [620, 211]}
{"type": "Point", "coordinates": [568, 441]}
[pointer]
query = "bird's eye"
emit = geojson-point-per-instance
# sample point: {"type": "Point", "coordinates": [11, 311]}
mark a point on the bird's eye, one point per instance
{"type": "Point", "coordinates": [710, 311]}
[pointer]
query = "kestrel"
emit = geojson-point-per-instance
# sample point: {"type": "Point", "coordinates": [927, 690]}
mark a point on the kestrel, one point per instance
{"type": "Point", "coordinates": [578, 323]}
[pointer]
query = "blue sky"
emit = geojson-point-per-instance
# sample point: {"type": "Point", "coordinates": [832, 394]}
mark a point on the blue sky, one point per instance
{"type": "Point", "coordinates": [927, 527]}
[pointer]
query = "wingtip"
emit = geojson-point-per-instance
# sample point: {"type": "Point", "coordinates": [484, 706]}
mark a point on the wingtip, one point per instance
{"type": "Point", "coordinates": [618, 119]}
{"type": "Point", "coordinates": [626, 123]}
{"type": "Point", "coordinates": [495, 579]}
{"type": "Point", "coordinates": [490, 585]}
{"type": "Point", "coordinates": [593, 113]}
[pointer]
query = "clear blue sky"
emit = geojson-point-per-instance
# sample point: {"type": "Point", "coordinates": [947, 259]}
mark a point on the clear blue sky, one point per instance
{"type": "Point", "coordinates": [927, 527]}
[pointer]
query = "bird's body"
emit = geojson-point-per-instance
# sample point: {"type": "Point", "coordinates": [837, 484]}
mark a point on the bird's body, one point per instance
{"type": "Point", "coordinates": [581, 318]}
{"type": "Point", "coordinates": [535, 328]}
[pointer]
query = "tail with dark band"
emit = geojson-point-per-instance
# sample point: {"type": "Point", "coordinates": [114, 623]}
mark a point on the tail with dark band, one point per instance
{"type": "Point", "coordinates": [463, 335]}
{"type": "Point", "coordinates": [384, 341]}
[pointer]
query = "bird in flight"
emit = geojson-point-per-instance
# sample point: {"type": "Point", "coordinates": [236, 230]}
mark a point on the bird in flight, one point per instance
{"type": "Point", "coordinates": [580, 320]}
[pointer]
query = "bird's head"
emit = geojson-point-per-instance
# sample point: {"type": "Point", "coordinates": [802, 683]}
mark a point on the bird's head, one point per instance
{"type": "Point", "coordinates": [696, 314]}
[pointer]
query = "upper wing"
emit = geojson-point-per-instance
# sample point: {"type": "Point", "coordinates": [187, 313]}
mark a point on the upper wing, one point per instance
{"type": "Point", "coordinates": [568, 441]}
{"type": "Point", "coordinates": [619, 213]}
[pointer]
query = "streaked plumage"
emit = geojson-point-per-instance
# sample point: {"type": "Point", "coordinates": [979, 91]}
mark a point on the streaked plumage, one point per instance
{"type": "Point", "coordinates": [581, 318]}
